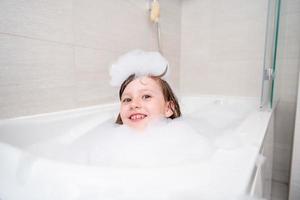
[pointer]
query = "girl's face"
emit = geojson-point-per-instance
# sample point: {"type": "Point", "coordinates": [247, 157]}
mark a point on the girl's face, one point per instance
{"type": "Point", "coordinates": [142, 102]}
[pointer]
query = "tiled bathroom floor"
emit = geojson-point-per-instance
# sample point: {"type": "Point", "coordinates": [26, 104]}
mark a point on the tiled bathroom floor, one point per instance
{"type": "Point", "coordinates": [279, 191]}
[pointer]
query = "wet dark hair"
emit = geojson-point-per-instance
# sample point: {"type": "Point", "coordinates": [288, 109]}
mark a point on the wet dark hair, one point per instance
{"type": "Point", "coordinates": [168, 94]}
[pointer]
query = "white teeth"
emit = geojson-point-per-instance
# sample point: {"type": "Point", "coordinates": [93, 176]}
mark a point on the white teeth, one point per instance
{"type": "Point", "coordinates": [137, 116]}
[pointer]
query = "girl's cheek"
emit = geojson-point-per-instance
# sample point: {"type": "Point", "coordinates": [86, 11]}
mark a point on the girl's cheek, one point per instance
{"type": "Point", "coordinates": [124, 108]}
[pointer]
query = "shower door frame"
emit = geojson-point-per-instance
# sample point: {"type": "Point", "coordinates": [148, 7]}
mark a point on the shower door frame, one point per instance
{"type": "Point", "coordinates": [267, 100]}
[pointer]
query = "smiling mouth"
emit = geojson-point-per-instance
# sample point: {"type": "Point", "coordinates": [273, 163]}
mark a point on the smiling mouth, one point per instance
{"type": "Point", "coordinates": [137, 117]}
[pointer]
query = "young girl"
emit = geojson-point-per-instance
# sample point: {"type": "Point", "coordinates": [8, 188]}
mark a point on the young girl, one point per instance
{"type": "Point", "coordinates": [145, 96]}
{"type": "Point", "coordinates": [148, 106]}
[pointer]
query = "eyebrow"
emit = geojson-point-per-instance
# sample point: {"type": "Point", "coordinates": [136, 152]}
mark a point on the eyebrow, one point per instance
{"type": "Point", "coordinates": [142, 90]}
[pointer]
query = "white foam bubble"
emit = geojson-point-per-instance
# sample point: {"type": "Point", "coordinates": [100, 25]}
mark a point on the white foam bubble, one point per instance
{"type": "Point", "coordinates": [195, 166]}
{"type": "Point", "coordinates": [137, 62]}
{"type": "Point", "coordinates": [169, 142]}
{"type": "Point", "coordinates": [164, 143]}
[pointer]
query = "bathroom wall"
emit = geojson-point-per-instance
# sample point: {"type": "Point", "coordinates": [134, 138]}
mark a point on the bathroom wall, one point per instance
{"type": "Point", "coordinates": [55, 55]}
{"type": "Point", "coordinates": [294, 184]}
{"type": "Point", "coordinates": [287, 83]}
{"type": "Point", "coordinates": [222, 47]}
{"type": "Point", "coordinates": [287, 67]}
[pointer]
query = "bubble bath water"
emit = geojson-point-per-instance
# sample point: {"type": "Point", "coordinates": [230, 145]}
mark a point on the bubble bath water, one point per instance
{"type": "Point", "coordinates": [209, 153]}
{"type": "Point", "coordinates": [164, 143]}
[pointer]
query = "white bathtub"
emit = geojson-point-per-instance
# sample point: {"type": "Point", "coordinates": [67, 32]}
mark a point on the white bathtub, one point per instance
{"type": "Point", "coordinates": [24, 175]}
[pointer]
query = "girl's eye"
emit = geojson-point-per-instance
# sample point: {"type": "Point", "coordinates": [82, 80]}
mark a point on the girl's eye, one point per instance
{"type": "Point", "coordinates": [146, 96]}
{"type": "Point", "coordinates": [126, 100]}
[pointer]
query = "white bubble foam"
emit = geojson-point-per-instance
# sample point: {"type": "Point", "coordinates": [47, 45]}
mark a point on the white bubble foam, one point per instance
{"type": "Point", "coordinates": [164, 143]}
{"type": "Point", "coordinates": [182, 160]}
{"type": "Point", "coordinates": [137, 62]}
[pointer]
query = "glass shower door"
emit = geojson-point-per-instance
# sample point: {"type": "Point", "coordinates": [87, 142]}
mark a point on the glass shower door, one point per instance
{"type": "Point", "coordinates": [268, 80]}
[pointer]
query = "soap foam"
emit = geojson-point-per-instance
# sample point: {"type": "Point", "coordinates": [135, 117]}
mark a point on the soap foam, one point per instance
{"type": "Point", "coordinates": [170, 157]}
{"type": "Point", "coordinates": [163, 143]}
{"type": "Point", "coordinates": [140, 63]}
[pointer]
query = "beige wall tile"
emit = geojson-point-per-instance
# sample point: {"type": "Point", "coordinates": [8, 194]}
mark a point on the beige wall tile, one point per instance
{"type": "Point", "coordinates": [286, 88]}
{"type": "Point", "coordinates": [22, 100]}
{"type": "Point", "coordinates": [92, 76]}
{"type": "Point", "coordinates": [222, 44]}
{"type": "Point", "coordinates": [293, 6]}
{"type": "Point", "coordinates": [47, 20]}
{"type": "Point", "coordinates": [33, 73]}
{"type": "Point", "coordinates": [294, 192]}
{"type": "Point", "coordinates": [31, 63]}
{"type": "Point", "coordinates": [112, 25]}
{"type": "Point", "coordinates": [209, 77]}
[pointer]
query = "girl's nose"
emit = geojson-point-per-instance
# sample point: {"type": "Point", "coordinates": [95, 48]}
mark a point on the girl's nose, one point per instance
{"type": "Point", "coordinates": [135, 103]}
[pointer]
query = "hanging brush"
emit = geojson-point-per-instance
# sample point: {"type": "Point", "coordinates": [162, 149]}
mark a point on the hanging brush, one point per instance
{"type": "Point", "coordinates": [154, 17]}
{"type": "Point", "coordinates": [154, 11]}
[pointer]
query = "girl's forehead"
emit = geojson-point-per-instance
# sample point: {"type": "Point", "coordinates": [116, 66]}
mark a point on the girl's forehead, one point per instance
{"type": "Point", "coordinates": [143, 83]}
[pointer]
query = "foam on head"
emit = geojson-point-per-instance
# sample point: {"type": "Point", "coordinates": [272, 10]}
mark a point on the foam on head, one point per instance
{"type": "Point", "coordinates": [140, 63]}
